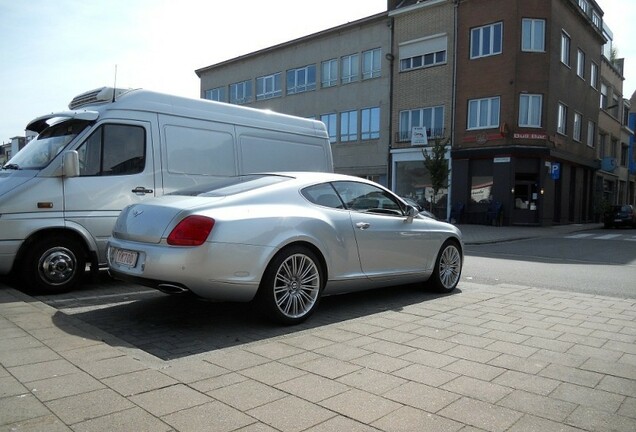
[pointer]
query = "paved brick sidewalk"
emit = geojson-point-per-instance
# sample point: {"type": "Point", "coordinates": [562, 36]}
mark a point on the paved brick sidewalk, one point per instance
{"type": "Point", "coordinates": [507, 358]}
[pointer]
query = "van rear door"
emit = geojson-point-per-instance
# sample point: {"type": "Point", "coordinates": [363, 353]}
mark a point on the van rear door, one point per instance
{"type": "Point", "coordinates": [116, 169]}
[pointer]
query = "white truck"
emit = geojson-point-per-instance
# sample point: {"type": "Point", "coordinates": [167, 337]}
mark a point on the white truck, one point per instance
{"type": "Point", "coordinates": [60, 194]}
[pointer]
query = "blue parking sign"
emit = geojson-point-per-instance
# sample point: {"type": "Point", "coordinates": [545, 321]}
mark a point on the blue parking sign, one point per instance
{"type": "Point", "coordinates": [555, 170]}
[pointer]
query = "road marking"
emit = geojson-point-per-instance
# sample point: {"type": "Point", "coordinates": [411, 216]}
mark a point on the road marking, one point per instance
{"type": "Point", "coordinates": [608, 236]}
{"type": "Point", "coordinates": [579, 235]}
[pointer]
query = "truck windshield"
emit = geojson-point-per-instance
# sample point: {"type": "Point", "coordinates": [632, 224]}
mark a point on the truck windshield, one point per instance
{"type": "Point", "coordinates": [38, 153]}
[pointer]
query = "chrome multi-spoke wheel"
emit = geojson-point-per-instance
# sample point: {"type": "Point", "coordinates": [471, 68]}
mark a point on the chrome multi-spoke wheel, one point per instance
{"type": "Point", "coordinates": [448, 267]}
{"type": "Point", "coordinates": [291, 287]}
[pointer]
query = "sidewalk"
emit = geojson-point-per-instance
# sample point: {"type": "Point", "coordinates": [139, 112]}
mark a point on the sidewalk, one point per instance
{"type": "Point", "coordinates": [482, 234]}
{"type": "Point", "coordinates": [487, 358]}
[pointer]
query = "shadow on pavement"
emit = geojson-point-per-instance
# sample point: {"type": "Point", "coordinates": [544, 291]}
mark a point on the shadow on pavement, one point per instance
{"type": "Point", "coordinates": [172, 327]}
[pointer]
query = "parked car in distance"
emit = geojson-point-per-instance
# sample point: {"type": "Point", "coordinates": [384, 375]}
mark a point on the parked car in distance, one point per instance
{"type": "Point", "coordinates": [282, 240]}
{"type": "Point", "coordinates": [620, 215]}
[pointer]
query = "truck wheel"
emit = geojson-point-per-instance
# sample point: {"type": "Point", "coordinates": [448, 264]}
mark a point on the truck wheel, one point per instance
{"type": "Point", "coordinates": [53, 265]}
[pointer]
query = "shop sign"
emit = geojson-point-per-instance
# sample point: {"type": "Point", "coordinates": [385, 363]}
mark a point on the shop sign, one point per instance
{"type": "Point", "coordinates": [502, 159]}
{"type": "Point", "coordinates": [534, 136]}
{"type": "Point", "coordinates": [418, 136]}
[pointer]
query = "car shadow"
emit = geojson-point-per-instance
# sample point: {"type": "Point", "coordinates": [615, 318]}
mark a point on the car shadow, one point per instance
{"type": "Point", "coordinates": [173, 327]}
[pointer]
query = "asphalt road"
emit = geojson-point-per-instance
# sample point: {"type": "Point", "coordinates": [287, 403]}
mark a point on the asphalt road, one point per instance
{"type": "Point", "coordinates": [594, 262]}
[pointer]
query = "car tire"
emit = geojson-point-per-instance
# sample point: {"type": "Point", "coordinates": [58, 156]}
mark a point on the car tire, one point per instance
{"type": "Point", "coordinates": [448, 268]}
{"type": "Point", "coordinates": [291, 286]}
{"type": "Point", "coordinates": [53, 265]}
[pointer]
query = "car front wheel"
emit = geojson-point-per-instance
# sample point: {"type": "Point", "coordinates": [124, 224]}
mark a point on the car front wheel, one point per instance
{"type": "Point", "coordinates": [448, 268]}
{"type": "Point", "coordinates": [291, 287]}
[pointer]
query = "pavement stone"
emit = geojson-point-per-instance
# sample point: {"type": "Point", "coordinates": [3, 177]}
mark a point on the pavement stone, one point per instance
{"type": "Point", "coordinates": [492, 358]}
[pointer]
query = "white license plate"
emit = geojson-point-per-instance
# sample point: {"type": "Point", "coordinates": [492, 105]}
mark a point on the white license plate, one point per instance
{"type": "Point", "coordinates": [125, 257]}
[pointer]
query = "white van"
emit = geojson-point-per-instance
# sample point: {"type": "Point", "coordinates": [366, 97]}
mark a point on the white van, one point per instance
{"type": "Point", "coordinates": [60, 195]}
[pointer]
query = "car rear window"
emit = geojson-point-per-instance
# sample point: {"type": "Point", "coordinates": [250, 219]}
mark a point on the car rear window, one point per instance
{"type": "Point", "coordinates": [232, 185]}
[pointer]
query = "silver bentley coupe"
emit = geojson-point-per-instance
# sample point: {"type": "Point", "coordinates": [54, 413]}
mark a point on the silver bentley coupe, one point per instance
{"type": "Point", "coordinates": [282, 240]}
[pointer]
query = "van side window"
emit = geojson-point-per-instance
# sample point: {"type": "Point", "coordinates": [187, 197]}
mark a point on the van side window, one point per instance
{"type": "Point", "coordinates": [113, 150]}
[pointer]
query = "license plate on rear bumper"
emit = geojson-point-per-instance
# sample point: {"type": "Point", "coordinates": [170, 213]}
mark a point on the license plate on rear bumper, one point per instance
{"type": "Point", "coordinates": [125, 257]}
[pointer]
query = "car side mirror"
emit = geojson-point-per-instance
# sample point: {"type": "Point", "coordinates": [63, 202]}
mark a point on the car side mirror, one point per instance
{"type": "Point", "coordinates": [70, 164]}
{"type": "Point", "coordinates": [411, 212]}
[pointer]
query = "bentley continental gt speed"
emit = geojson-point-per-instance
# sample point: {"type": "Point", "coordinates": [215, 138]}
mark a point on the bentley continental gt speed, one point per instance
{"type": "Point", "coordinates": [282, 240]}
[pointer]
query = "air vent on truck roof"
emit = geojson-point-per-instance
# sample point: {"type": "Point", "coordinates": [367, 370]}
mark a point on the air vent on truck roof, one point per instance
{"type": "Point", "coordinates": [97, 96]}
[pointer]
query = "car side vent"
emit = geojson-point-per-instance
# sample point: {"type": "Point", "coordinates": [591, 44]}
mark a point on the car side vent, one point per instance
{"type": "Point", "coordinates": [97, 96]}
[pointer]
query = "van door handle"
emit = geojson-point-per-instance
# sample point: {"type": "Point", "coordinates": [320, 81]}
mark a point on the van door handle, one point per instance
{"type": "Point", "coordinates": [141, 190]}
{"type": "Point", "coordinates": [363, 225]}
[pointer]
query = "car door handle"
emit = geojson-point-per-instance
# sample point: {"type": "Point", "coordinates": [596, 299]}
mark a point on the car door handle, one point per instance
{"type": "Point", "coordinates": [141, 190]}
{"type": "Point", "coordinates": [363, 225]}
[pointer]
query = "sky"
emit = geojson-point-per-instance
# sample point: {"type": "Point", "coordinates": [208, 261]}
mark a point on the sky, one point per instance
{"type": "Point", "coordinates": [52, 51]}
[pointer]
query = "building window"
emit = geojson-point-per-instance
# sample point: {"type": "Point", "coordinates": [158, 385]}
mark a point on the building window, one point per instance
{"type": "Point", "coordinates": [578, 124]}
{"type": "Point", "coordinates": [216, 94]}
{"type": "Point", "coordinates": [370, 123]}
{"type": "Point", "coordinates": [562, 120]}
{"type": "Point", "coordinates": [593, 75]}
{"type": "Point", "coordinates": [483, 113]}
{"type": "Point", "coordinates": [565, 49]}
{"type": "Point", "coordinates": [371, 63]}
{"type": "Point", "coordinates": [580, 64]}
{"type": "Point", "coordinates": [602, 143]}
{"type": "Point", "coordinates": [423, 53]}
{"type": "Point", "coordinates": [329, 75]}
{"type": "Point", "coordinates": [330, 122]}
{"type": "Point", "coordinates": [241, 92]}
{"type": "Point", "coordinates": [349, 126]}
{"type": "Point", "coordinates": [486, 41]}
{"type": "Point", "coordinates": [530, 110]}
{"type": "Point", "coordinates": [591, 133]}
{"type": "Point", "coordinates": [350, 68]}
{"type": "Point", "coordinates": [431, 118]}
{"type": "Point", "coordinates": [583, 5]}
{"type": "Point", "coordinates": [624, 155]}
{"type": "Point", "coordinates": [603, 103]}
{"type": "Point", "coordinates": [268, 86]}
{"type": "Point", "coordinates": [533, 35]}
{"type": "Point", "coordinates": [301, 80]}
{"type": "Point", "coordinates": [596, 19]}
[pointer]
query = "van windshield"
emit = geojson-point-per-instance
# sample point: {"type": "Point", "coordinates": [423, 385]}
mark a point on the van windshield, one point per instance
{"type": "Point", "coordinates": [38, 153]}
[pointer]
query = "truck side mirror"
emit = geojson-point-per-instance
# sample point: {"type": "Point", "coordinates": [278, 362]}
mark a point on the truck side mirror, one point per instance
{"type": "Point", "coordinates": [70, 164]}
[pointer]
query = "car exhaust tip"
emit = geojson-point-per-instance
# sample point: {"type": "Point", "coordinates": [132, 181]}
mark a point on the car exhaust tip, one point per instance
{"type": "Point", "coordinates": [172, 289]}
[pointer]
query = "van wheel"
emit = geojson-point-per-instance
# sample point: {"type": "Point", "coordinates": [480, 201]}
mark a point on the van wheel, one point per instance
{"type": "Point", "coordinates": [291, 286]}
{"type": "Point", "coordinates": [53, 265]}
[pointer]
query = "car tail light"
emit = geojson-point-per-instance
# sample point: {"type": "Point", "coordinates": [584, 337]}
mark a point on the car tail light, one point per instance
{"type": "Point", "coordinates": [191, 231]}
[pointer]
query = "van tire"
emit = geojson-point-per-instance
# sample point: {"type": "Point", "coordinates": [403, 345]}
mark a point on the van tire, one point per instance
{"type": "Point", "coordinates": [53, 265]}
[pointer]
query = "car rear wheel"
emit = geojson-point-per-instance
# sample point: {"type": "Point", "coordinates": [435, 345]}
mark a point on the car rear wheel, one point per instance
{"type": "Point", "coordinates": [53, 265]}
{"type": "Point", "coordinates": [291, 287]}
{"type": "Point", "coordinates": [448, 267]}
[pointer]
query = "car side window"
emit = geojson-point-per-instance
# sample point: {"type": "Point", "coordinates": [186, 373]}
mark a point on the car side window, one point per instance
{"type": "Point", "coordinates": [363, 197]}
{"type": "Point", "coordinates": [113, 150]}
{"type": "Point", "coordinates": [323, 195]}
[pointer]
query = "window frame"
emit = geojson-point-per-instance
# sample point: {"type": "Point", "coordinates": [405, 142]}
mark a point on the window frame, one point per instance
{"type": "Point", "coordinates": [562, 119]}
{"type": "Point", "coordinates": [263, 81]}
{"type": "Point", "coordinates": [580, 63]}
{"type": "Point", "coordinates": [370, 123]}
{"type": "Point", "coordinates": [331, 66]}
{"type": "Point", "coordinates": [406, 123]}
{"type": "Point", "coordinates": [577, 128]}
{"type": "Point", "coordinates": [349, 126]}
{"type": "Point", "coordinates": [350, 68]}
{"type": "Point", "coordinates": [331, 124]}
{"type": "Point", "coordinates": [566, 47]}
{"type": "Point", "coordinates": [245, 88]}
{"type": "Point", "coordinates": [591, 134]}
{"type": "Point", "coordinates": [299, 74]}
{"type": "Point", "coordinates": [491, 123]}
{"type": "Point", "coordinates": [594, 75]}
{"type": "Point", "coordinates": [531, 111]}
{"type": "Point", "coordinates": [216, 94]}
{"type": "Point", "coordinates": [375, 69]}
{"type": "Point", "coordinates": [489, 31]}
{"type": "Point", "coordinates": [530, 46]}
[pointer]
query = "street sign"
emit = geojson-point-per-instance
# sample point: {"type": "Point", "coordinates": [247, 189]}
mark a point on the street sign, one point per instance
{"type": "Point", "coordinates": [555, 171]}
